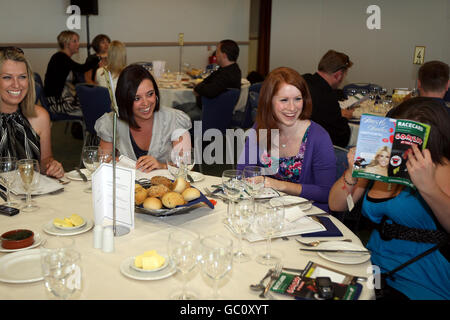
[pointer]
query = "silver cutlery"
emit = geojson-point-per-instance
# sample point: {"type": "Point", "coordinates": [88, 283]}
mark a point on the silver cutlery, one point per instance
{"type": "Point", "coordinates": [297, 203]}
{"type": "Point", "coordinates": [260, 285]}
{"type": "Point", "coordinates": [190, 179]}
{"type": "Point", "coordinates": [273, 277]}
{"type": "Point", "coordinates": [315, 243]}
{"type": "Point", "coordinates": [82, 175]}
{"type": "Point", "coordinates": [337, 250]}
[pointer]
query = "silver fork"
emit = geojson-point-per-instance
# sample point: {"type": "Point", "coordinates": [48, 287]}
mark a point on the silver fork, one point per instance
{"type": "Point", "coordinates": [274, 277]}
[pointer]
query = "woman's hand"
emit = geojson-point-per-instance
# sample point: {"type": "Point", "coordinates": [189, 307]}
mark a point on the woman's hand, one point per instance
{"type": "Point", "coordinates": [54, 168]}
{"type": "Point", "coordinates": [421, 168]}
{"type": "Point", "coordinates": [149, 163]}
{"type": "Point", "coordinates": [351, 157]}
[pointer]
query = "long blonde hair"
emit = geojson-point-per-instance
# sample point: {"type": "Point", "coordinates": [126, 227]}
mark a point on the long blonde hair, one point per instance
{"type": "Point", "coordinates": [27, 104]}
{"type": "Point", "coordinates": [117, 57]}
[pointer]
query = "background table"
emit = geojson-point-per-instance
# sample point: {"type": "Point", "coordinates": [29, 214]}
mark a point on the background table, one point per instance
{"type": "Point", "coordinates": [102, 278]}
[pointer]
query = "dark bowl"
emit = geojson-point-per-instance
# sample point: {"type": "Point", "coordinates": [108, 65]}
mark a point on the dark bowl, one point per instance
{"type": "Point", "coordinates": [17, 239]}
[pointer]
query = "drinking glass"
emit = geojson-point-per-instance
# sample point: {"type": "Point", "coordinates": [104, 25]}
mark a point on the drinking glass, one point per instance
{"type": "Point", "coordinates": [241, 220]}
{"type": "Point", "coordinates": [232, 186]}
{"type": "Point", "coordinates": [8, 169]}
{"type": "Point", "coordinates": [61, 267]}
{"type": "Point", "coordinates": [183, 251]}
{"type": "Point", "coordinates": [29, 173]}
{"type": "Point", "coordinates": [269, 220]}
{"type": "Point", "coordinates": [217, 258]}
{"type": "Point", "coordinates": [383, 93]}
{"type": "Point", "coordinates": [91, 161]}
{"type": "Point", "coordinates": [253, 180]}
{"type": "Point", "coordinates": [181, 163]}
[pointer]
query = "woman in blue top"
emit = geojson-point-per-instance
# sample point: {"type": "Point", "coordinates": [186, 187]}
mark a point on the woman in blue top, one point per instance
{"type": "Point", "coordinates": [426, 209]}
{"type": "Point", "coordinates": [299, 156]}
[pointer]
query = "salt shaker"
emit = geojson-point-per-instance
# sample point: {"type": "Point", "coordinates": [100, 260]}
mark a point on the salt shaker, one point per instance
{"type": "Point", "coordinates": [98, 236]}
{"type": "Point", "coordinates": [108, 240]}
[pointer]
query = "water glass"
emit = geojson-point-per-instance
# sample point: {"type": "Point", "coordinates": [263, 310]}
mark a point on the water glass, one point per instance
{"type": "Point", "coordinates": [217, 258]}
{"type": "Point", "coordinates": [232, 187]}
{"type": "Point", "coordinates": [91, 161]}
{"type": "Point", "coordinates": [253, 180]}
{"type": "Point", "coordinates": [8, 170]}
{"type": "Point", "coordinates": [61, 267]}
{"type": "Point", "coordinates": [241, 220]}
{"type": "Point", "coordinates": [182, 248]}
{"type": "Point", "coordinates": [269, 220]}
{"type": "Point", "coordinates": [29, 174]}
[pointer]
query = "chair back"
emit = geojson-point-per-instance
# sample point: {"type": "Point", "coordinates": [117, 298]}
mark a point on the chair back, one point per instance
{"type": "Point", "coordinates": [38, 79]}
{"type": "Point", "coordinates": [218, 112]}
{"type": "Point", "coordinates": [94, 102]}
{"type": "Point", "coordinates": [341, 160]}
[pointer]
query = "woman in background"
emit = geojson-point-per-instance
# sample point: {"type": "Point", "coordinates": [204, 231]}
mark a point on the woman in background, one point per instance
{"type": "Point", "coordinates": [100, 44]}
{"type": "Point", "coordinates": [117, 61]}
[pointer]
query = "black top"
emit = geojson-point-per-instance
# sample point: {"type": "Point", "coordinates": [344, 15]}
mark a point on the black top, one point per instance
{"type": "Point", "coordinates": [326, 110]}
{"type": "Point", "coordinates": [219, 81]}
{"type": "Point", "coordinates": [89, 59]}
{"type": "Point", "coordinates": [58, 69]}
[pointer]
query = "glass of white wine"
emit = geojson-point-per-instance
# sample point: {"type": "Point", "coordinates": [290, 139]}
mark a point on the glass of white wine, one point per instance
{"type": "Point", "coordinates": [29, 173]}
{"type": "Point", "coordinates": [91, 161]}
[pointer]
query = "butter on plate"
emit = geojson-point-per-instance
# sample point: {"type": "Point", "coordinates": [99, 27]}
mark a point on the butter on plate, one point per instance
{"type": "Point", "coordinates": [73, 221]}
{"type": "Point", "coordinates": [150, 260]}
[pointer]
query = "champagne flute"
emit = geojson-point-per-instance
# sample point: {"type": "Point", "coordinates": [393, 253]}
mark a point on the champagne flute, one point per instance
{"type": "Point", "coordinates": [28, 170]}
{"type": "Point", "coordinates": [8, 169]}
{"type": "Point", "coordinates": [217, 258]}
{"type": "Point", "coordinates": [269, 221]}
{"type": "Point", "coordinates": [232, 185]}
{"type": "Point", "coordinates": [91, 161]}
{"type": "Point", "coordinates": [183, 251]}
{"type": "Point", "coordinates": [241, 221]}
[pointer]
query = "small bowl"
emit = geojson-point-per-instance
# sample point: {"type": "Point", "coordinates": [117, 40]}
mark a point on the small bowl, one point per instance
{"type": "Point", "coordinates": [17, 239]}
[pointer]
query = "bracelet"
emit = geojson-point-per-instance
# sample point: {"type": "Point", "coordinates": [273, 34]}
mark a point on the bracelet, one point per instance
{"type": "Point", "coordinates": [350, 184]}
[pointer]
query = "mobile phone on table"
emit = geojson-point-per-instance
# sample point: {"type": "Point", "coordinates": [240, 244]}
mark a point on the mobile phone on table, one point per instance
{"type": "Point", "coordinates": [8, 211]}
{"type": "Point", "coordinates": [325, 287]}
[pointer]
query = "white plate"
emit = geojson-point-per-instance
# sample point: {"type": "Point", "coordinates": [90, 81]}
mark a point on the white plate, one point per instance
{"type": "Point", "coordinates": [74, 175]}
{"type": "Point", "coordinates": [164, 265]}
{"type": "Point", "coordinates": [128, 271]}
{"type": "Point", "coordinates": [72, 228]}
{"type": "Point", "coordinates": [21, 267]}
{"type": "Point", "coordinates": [196, 176]}
{"type": "Point", "coordinates": [37, 242]}
{"type": "Point", "coordinates": [293, 199]}
{"type": "Point", "coordinates": [341, 257]}
{"type": "Point", "coordinates": [50, 228]}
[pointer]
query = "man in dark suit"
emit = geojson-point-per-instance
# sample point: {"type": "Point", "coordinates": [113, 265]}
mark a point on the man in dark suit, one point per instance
{"type": "Point", "coordinates": [433, 81]}
{"type": "Point", "coordinates": [326, 111]}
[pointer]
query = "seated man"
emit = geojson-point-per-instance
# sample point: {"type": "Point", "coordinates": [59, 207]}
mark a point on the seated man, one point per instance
{"type": "Point", "coordinates": [433, 81]}
{"type": "Point", "coordinates": [322, 85]}
{"type": "Point", "coordinates": [227, 76]}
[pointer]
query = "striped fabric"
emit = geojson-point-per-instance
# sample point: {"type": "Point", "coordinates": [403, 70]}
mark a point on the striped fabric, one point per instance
{"type": "Point", "coordinates": [18, 139]}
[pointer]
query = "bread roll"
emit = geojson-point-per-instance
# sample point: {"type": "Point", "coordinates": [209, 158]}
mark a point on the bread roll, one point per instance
{"type": "Point", "coordinates": [140, 196]}
{"type": "Point", "coordinates": [172, 199]}
{"type": "Point", "coordinates": [161, 180]}
{"type": "Point", "coordinates": [190, 194]}
{"type": "Point", "coordinates": [152, 203]}
{"type": "Point", "coordinates": [137, 187]}
{"type": "Point", "coordinates": [157, 191]}
{"type": "Point", "coordinates": [180, 184]}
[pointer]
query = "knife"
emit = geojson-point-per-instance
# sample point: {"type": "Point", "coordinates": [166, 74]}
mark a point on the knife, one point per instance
{"type": "Point", "coordinates": [336, 250]}
{"type": "Point", "coordinates": [82, 175]}
{"type": "Point", "coordinates": [190, 179]}
{"type": "Point", "coordinates": [297, 203]}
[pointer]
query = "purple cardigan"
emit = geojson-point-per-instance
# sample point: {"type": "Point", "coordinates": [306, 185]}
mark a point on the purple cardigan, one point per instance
{"type": "Point", "coordinates": [318, 172]}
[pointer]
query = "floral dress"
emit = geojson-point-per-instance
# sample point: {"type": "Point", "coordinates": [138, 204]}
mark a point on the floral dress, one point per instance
{"type": "Point", "coordinates": [290, 168]}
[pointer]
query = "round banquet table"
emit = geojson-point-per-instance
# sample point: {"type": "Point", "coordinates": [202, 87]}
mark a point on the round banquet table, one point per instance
{"type": "Point", "coordinates": [101, 275]}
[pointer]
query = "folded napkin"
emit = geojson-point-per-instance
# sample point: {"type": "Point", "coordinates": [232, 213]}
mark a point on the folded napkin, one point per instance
{"type": "Point", "coordinates": [332, 230]}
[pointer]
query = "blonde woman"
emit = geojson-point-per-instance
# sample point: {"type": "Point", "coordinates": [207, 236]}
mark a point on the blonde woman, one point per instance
{"type": "Point", "coordinates": [117, 61]}
{"type": "Point", "coordinates": [24, 126]}
{"type": "Point", "coordinates": [380, 162]}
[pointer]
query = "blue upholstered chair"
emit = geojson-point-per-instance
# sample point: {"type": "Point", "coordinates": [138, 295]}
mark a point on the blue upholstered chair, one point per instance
{"type": "Point", "coordinates": [218, 112]}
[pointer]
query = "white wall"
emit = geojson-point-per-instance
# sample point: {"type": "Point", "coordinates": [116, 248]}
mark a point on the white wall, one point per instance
{"type": "Point", "coordinates": [131, 21]}
{"type": "Point", "coordinates": [303, 30]}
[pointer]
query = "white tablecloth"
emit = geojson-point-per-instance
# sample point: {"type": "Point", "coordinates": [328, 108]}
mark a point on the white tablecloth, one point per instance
{"type": "Point", "coordinates": [102, 278]}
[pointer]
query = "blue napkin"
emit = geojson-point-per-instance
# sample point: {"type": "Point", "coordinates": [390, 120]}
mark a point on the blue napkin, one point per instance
{"type": "Point", "coordinates": [332, 230]}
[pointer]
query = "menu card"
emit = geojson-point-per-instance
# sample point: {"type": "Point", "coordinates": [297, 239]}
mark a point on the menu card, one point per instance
{"type": "Point", "coordinates": [102, 194]}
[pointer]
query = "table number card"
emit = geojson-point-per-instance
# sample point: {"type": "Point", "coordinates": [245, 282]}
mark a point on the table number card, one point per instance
{"type": "Point", "coordinates": [102, 191]}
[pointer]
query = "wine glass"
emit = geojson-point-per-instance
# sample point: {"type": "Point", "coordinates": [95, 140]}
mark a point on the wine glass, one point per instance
{"type": "Point", "coordinates": [232, 186]}
{"type": "Point", "coordinates": [217, 258]}
{"type": "Point", "coordinates": [29, 173]}
{"type": "Point", "coordinates": [183, 251]}
{"type": "Point", "coordinates": [383, 93]}
{"type": "Point", "coordinates": [241, 220]}
{"type": "Point", "coordinates": [8, 169]}
{"type": "Point", "coordinates": [180, 163]}
{"type": "Point", "coordinates": [269, 220]}
{"type": "Point", "coordinates": [253, 180]}
{"type": "Point", "coordinates": [61, 267]}
{"type": "Point", "coordinates": [91, 161]}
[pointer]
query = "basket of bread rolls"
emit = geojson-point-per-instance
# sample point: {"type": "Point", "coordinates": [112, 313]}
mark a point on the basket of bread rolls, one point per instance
{"type": "Point", "coordinates": [162, 196]}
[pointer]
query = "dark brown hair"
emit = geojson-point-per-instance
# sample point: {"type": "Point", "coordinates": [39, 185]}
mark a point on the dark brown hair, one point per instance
{"type": "Point", "coordinates": [433, 113]}
{"type": "Point", "coordinates": [127, 84]}
{"type": "Point", "coordinates": [333, 61]}
{"type": "Point", "coordinates": [96, 41]}
{"type": "Point", "coordinates": [434, 75]}
{"type": "Point", "coordinates": [230, 48]}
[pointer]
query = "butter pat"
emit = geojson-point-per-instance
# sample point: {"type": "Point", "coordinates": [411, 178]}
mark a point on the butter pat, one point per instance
{"type": "Point", "coordinates": [62, 223]}
{"type": "Point", "coordinates": [149, 260]}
